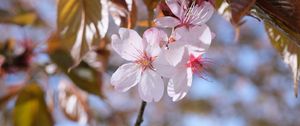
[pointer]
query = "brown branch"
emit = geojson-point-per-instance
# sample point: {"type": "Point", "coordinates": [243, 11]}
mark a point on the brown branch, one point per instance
{"type": "Point", "coordinates": [139, 119]}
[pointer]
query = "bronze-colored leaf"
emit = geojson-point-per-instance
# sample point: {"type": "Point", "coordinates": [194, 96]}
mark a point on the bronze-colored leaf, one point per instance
{"type": "Point", "coordinates": [239, 8]}
{"type": "Point", "coordinates": [78, 23]}
{"type": "Point", "coordinates": [285, 13]}
{"type": "Point", "coordinates": [31, 108]}
{"type": "Point", "coordinates": [288, 49]}
{"type": "Point", "coordinates": [73, 102]}
{"type": "Point", "coordinates": [84, 76]}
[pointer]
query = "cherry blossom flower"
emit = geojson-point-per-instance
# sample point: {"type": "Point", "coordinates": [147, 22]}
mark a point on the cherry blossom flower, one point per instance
{"type": "Point", "coordinates": [181, 75]}
{"type": "Point", "coordinates": [142, 52]}
{"type": "Point", "coordinates": [185, 13]}
{"type": "Point", "coordinates": [197, 39]}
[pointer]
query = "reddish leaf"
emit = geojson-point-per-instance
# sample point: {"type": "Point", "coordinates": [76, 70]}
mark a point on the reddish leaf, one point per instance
{"type": "Point", "coordinates": [285, 13]}
{"type": "Point", "coordinates": [239, 8]}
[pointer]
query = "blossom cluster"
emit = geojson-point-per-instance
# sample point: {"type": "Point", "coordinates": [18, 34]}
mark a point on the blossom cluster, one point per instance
{"type": "Point", "coordinates": [157, 56]}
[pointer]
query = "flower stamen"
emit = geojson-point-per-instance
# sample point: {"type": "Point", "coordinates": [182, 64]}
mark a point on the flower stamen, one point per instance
{"type": "Point", "coordinates": [145, 61]}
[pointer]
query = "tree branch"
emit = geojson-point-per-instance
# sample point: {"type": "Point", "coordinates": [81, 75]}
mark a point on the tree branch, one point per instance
{"type": "Point", "coordinates": [139, 119]}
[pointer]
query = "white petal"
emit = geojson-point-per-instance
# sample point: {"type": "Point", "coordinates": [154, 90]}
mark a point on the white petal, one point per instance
{"type": "Point", "coordinates": [185, 58]}
{"type": "Point", "coordinates": [176, 9]}
{"type": "Point", "coordinates": [198, 36]}
{"type": "Point", "coordinates": [126, 76]}
{"type": "Point", "coordinates": [151, 87]}
{"type": "Point", "coordinates": [175, 96]}
{"type": "Point", "coordinates": [205, 35]}
{"type": "Point", "coordinates": [166, 22]}
{"type": "Point", "coordinates": [173, 55]}
{"type": "Point", "coordinates": [195, 51]}
{"type": "Point", "coordinates": [180, 83]}
{"type": "Point", "coordinates": [163, 67]}
{"type": "Point", "coordinates": [205, 12]}
{"type": "Point", "coordinates": [154, 38]}
{"type": "Point", "coordinates": [129, 45]}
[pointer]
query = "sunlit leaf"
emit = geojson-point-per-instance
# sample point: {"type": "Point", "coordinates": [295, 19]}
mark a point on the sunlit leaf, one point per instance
{"type": "Point", "coordinates": [78, 24]}
{"type": "Point", "coordinates": [73, 102]}
{"type": "Point", "coordinates": [84, 76]}
{"type": "Point", "coordinates": [288, 49]}
{"type": "Point", "coordinates": [285, 11]}
{"type": "Point", "coordinates": [31, 109]}
{"type": "Point", "coordinates": [218, 3]}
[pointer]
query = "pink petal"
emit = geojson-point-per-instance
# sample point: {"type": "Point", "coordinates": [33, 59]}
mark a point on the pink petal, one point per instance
{"type": "Point", "coordinates": [198, 36]}
{"type": "Point", "coordinates": [184, 60]}
{"type": "Point", "coordinates": [126, 76]}
{"type": "Point", "coordinates": [154, 37]}
{"type": "Point", "coordinates": [173, 55]}
{"type": "Point", "coordinates": [180, 83]}
{"type": "Point", "coordinates": [151, 87]}
{"type": "Point", "coordinates": [162, 66]}
{"type": "Point", "coordinates": [167, 22]}
{"type": "Point", "coordinates": [175, 7]}
{"type": "Point", "coordinates": [129, 45]}
{"type": "Point", "coordinates": [205, 12]}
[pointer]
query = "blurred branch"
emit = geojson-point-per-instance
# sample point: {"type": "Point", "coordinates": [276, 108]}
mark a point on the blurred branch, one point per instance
{"type": "Point", "coordinates": [139, 119]}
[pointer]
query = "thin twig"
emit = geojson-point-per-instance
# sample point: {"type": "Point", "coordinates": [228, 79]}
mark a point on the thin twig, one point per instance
{"type": "Point", "coordinates": [139, 119]}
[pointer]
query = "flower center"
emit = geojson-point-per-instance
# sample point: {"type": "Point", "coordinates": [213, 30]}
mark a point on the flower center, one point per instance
{"type": "Point", "coordinates": [196, 64]}
{"type": "Point", "coordinates": [145, 61]}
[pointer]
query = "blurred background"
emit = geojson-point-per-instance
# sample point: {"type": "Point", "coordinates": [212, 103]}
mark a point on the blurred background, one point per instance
{"type": "Point", "coordinates": [248, 84]}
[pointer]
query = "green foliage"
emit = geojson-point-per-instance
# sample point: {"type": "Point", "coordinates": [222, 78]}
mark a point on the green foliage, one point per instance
{"type": "Point", "coordinates": [31, 109]}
